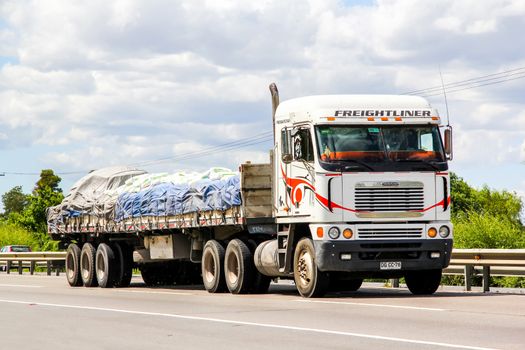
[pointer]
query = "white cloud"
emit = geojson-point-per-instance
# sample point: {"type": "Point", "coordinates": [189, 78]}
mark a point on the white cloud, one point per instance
{"type": "Point", "coordinates": [100, 83]}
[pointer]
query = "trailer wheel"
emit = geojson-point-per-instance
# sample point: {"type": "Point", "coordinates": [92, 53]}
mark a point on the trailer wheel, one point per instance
{"type": "Point", "coordinates": [106, 266]}
{"type": "Point", "coordinates": [212, 267]}
{"type": "Point", "coordinates": [238, 267]}
{"type": "Point", "coordinates": [310, 282]}
{"type": "Point", "coordinates": [73, 265]}
{"type": "Point", "coordinates": [423, 282]}
{"type": "Point", "coordinates": [124, 263]}
{"type": "Point", "coordinates": [261, 283]}
{"type": "Point", "coordinates": [159, 274]}
{"type": "Point", "coordinates": [87, 265]}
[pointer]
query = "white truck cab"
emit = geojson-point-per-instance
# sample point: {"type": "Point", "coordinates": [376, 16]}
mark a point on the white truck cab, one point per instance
{"type": "Point", "coordinates": [365, 179]}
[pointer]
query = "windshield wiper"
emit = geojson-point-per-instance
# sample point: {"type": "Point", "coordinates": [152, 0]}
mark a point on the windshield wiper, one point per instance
{"type": "Point", "coordinates": [426, 162]}
{"type": "Point", "coordinates": [348, 167]}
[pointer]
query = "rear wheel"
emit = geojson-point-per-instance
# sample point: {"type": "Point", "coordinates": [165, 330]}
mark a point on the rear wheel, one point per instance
{"type": "Point", "coordinates": [341, 284]}
{"type": "Point", "coordinates": [423, 282]}
{"type": "Point", "coordinates": [212, 267]}
{"type": "Point", "coordinates": [106, 266]}
{"type": "Point", "coordinates": [124, 262]}
{"type": "Point", "coordinates": [310, 282]}
{"type": "Point", "coordinates": [158, 274]}
{"type": "Point", "coordinates": [87, 265]}
{"type": "Point", "coordinates": [261, 283]}
{"type": "Point", "coordinates": [238, 267]}
{"type": "Point", "coordinates": [73, 265]}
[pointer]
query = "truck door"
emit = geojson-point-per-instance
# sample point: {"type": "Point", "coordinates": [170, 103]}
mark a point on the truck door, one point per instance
{"type": "Point", "coordinates": [283, 163]}
{"type": "Point", "coordinates": [301, 177]}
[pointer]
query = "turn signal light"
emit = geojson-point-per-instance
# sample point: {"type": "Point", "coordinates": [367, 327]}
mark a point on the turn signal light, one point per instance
{"type": "Point", "coordinates": [320, 232]}
{"type": "Point", "coordinates": [347, 233]}
{"type": "Point", "coordinates": [432, 232]}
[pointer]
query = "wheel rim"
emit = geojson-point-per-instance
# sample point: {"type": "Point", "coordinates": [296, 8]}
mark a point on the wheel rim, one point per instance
{"type": "Point", "coordinates": [70, 266]}
{"type": "Point", "coordinates": [209, 268]}
{"type": "Point", "coordinates": [232, 265]}
{"type": "Point", "coordinates": [101, 268]}
{"type": "Point", "coordinates": [84, 267]}
{"type": "Point", "coordinates": [305, 269]}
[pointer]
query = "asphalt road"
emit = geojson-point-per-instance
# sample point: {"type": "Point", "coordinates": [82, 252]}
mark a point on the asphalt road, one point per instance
{"type": "Point", "coordinates": [42, 312]}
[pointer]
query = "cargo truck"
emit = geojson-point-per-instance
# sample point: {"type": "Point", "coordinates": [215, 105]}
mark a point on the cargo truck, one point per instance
{"type": "Point", "coordinates": [357, 187]}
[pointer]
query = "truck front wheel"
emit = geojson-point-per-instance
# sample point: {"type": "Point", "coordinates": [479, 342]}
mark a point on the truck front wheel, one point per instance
{"type": "Point", "coordinates": [212, 267]}
{"type": "Point", "coordinates": [73, 265]}
{"type": "Point", "coordinates": [310, 282]}
{"type": "Point", "coordinates": [423, 282]}
{"type": "Point", "coordinates": [238, 267]}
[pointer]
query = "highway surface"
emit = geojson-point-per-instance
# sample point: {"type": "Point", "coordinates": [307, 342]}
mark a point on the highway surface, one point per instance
{"type": "Point", "coordinates": [42, 312]}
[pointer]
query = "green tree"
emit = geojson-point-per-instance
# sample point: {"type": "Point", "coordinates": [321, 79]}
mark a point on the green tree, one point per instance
{"type": "Point", "coordinates": [48, 179]}
{"type": "Point", "coordinates": [46, 194]}
{"type": "Point", "coordinates": [14, 201]}
{"type": "Point", "coordinates": [485, 218]}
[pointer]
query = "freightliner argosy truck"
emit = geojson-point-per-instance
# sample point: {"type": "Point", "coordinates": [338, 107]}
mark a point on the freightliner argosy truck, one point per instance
{"type": "Point", "coordinates": [357, 187]}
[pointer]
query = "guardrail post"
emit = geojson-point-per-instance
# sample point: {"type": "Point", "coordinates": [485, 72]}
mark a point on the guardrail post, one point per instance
{"type": "Point", "coordinates": [394, 282]}
{"type": "Point", "coordinates": [469, 269]}
{"type": "Point", "coordinates": [32, 267]}
{"type": "Point", "coordinates": [48, 263]}
{"type": "Point", "coordinates": [486, 279]}
{"type": "Point", "coordinates": [20, 267]}
{"type": "Point", "coordinates": [8, 267]}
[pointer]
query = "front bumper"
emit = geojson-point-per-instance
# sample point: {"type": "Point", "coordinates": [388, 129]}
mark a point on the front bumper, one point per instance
{"type": "Point", "coordinates": [366, 255]}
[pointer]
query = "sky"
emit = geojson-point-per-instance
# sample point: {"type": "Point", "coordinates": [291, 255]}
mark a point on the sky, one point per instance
{"type": "Point", "coordinates": [160, 84]}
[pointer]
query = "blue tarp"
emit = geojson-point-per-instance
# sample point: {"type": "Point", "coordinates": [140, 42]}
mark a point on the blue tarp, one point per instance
{"type": "Point", "coordinates": [173, 199]}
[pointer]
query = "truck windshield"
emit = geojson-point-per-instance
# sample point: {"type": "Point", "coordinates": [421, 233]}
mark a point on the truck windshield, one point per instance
{"type": "Point", "coordinates": [386, 147]}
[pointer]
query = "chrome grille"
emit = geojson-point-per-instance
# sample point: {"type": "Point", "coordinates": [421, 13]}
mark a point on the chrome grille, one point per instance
{"type": "Point", "coordinates": [401, 232]}
{"type": "Point", "coordinates": [406, 196]}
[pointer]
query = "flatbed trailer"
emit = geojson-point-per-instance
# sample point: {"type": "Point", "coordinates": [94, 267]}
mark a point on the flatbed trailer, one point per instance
{"type": "Point", "coordinates": [357, 186]}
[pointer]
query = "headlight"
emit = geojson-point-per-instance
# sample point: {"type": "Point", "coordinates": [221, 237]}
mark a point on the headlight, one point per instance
{"type": "Point", "coordinates": [334, 232]}
{"type": "Point", "coordinates": [432, 232]}
{"type": "Point", "coordinates": [444, 231]}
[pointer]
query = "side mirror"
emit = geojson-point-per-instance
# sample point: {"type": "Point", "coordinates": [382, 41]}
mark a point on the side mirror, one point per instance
{"type": "Point", "coordinates": [448, 142]}
{"type": "Point", "coordinates": [287, 158]}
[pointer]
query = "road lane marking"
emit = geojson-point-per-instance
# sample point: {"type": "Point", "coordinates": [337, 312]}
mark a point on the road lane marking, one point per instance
{"type": "Point", "coordinates": [369, 304]}
{"type": "Point", "coordinates": [151, 292]}
{"type": "Point", "coordinates": [253, 324]}
{"type": "Point", "coordinates": [19, 286]}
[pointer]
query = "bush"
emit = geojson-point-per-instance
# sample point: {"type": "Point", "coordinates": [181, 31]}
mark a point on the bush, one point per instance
{"type": "Point", "coordinates": [486, 230]}
{"type": "Point", "coordinates": [12, 234]}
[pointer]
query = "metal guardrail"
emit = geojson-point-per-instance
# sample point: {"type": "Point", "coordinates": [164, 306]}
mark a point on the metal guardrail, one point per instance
{"type": "Point", "coordinates": [30, 260]}
{"type": "Point", "coordinates": [466, 262]}
{"type": "Point", "coordinates": [486, 263]}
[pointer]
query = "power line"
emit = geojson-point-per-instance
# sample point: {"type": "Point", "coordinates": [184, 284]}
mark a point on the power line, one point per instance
{"type": "Point", "coordinates": [484, 78]}
{"type": "Point", "coordinates": [473, 87]}
{"type": "Point", "coordinates": [467, 84]}
{"type": "Point", "coordinates": [210, 150]}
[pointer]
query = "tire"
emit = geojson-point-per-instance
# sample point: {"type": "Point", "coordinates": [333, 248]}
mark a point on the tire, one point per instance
{"type": "Point", "coordinates": [106, 266]}
{"type": "Point", "coordinates": [159, 274]}
{"type": "Point", "coordinates": [87, 265]}
{"type": "Point", "coordinates": [345, 285]}
{"type": "Point", "coordinates": [261, 283]}
{"type": "Point", "coordinates": [424, 282]}
{"type": "Point", "coordinates": [73, 266]}
{"type": "Point", "coordinates": [238, 267]}
{"type": "Point", "coordinates": [124, 262]}
{"type": "Point", "coordinates": [309, 281]}
{"type": "Point", "coordinates": [213, 267]}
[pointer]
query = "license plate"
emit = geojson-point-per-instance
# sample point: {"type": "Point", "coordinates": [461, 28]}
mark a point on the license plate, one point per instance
{"type": "Point", "coordinates": [390, 265]}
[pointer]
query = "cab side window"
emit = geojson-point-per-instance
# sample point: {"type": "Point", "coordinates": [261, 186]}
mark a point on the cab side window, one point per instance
{"type": "Point", "coordinates": [302, 145]}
